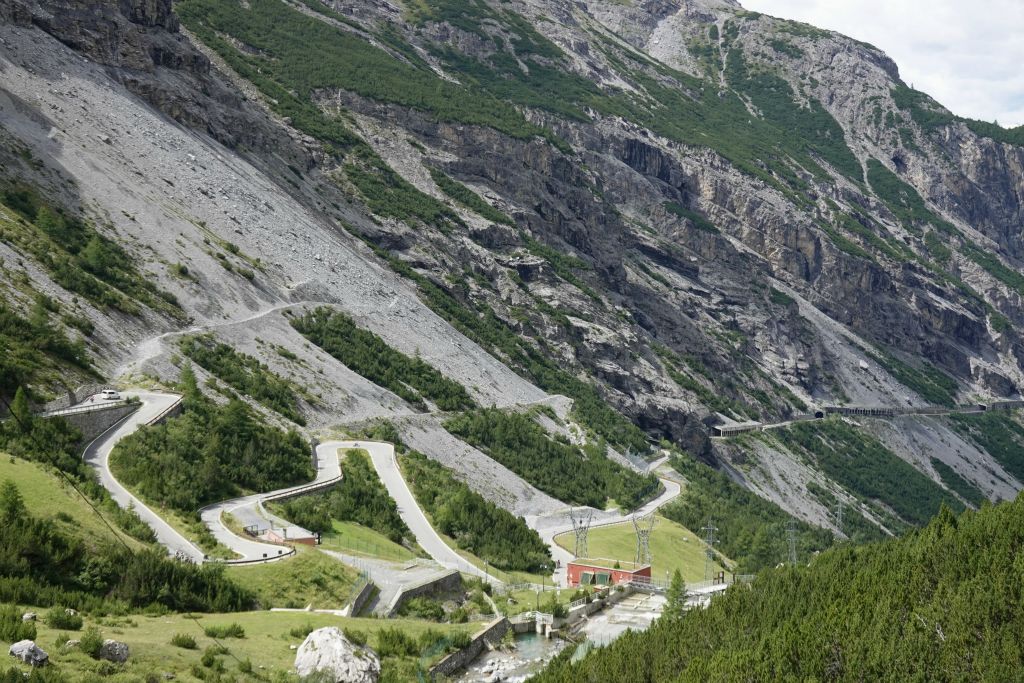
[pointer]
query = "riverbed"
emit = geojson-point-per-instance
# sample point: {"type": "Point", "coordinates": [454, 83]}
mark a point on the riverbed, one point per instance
{"type": "Point", "coordinates": [530, 655]}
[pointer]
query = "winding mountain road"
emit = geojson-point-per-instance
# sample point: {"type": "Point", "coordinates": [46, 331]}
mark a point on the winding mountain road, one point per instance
{"type": "Point", "coordinates": [383, 457]}
{"type": "Point", "coordinates": [97, 455]}
{"type": "Point", "coordinates": [248, 510]}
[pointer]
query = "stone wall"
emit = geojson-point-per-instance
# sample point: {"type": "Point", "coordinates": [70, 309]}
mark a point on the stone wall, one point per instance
{"type": "Point", "coordinates": [92, 423]}
{"type": "Point", "coordinates": [446, 583]}
{"type": "Point", "coordinates": [490, 635]}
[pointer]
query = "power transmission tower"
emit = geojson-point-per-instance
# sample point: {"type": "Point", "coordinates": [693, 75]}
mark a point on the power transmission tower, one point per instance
{"type": "Point", "coordinates": [581, 525]}
{"type": "Point", "coordinates": [709, 530]}
{"type": "Point", "coordinates": [643, 525]}
{"type": "Point", "coordinates": [839, 516]}
{"type": "Point", "coordinates": [791, 537]}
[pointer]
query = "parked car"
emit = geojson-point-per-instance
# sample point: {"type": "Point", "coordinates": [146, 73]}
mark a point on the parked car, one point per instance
{"type": "Point", "coordinates": [110, 395]}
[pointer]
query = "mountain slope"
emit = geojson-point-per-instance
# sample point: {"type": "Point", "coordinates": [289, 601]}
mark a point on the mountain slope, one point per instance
{"type": "Point", "coordinates": [673, 213]}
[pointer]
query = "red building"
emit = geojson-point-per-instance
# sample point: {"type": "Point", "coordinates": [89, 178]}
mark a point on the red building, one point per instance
{"type": "Point", "coordinates": [605, 573]}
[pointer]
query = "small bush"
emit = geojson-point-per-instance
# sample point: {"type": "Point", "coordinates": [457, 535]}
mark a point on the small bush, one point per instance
{"type": "Point", "coordinates": [422, 608]}
{"type": "Point", "coordinates": [460, 639]}
{"type": "Point", "coordinates": [184, 641]}
{"type": "Point", "coordinates": [355, 636]}
{"type": "Point", "coordinates": [302, 631]}
{"type": "Point", "coordinates": [209, 658]}
{"type": "Point", "coordinates": [92, 641]}
{"type": "Point", "coordinates": [233, 630]}
{"type": "Point", "coordinates": [58, 617]}
{"type": "Point", "coordinates": [12, 628]}
{"type": "Point", "coordinates": [393, 642]}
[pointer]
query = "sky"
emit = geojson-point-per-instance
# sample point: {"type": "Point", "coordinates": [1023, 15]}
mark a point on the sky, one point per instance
{"type": "Point", "coordinates": [967, 55]}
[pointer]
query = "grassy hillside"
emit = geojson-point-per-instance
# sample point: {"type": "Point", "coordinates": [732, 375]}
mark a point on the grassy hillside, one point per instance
{"type": "Point", "coordinates": [49, 497]}
{"type": "Point", "coordinates": [308, 578]}
{"type": "Point", "coordinates": [263, 653]}
{"type": "Point", "coordinates": [941, 603]}
{"type": "Point", "coordinates": [673, 547]}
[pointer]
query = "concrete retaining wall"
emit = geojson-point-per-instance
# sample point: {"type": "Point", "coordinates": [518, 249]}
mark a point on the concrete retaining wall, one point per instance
{"type": "Point", "coordinates": [359, 602]}
{"type": "Point", "coordinates": [446, 583]}
{"type": "Point", "coordinates": [173, 411]}
{"type": "Point", "coordinates": [490, 635]}
{"type": "Point", "coordinates": [92, 423]}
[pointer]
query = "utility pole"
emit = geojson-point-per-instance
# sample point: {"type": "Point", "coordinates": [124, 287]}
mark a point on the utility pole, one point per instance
{"type": "Point", "coordinates": [791, 537]}
{"type": "Point", "coordinates": [581, 525]}
{"type": "Point", "coordinates": [709, 530]}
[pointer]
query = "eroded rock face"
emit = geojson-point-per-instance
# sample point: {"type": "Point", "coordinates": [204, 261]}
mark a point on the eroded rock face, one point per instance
{"type": "Point", "coordinates": [328, 651]}
{"type": "Point", "coordinates": [30, 653]}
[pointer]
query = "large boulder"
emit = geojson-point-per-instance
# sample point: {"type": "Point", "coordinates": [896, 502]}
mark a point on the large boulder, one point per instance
{"type": "Point", "coordinates": [328, 651]}
{"type": "Point", "coordinates": [114, 651]}
{"type": "Point", "coordinates": [30, 653]}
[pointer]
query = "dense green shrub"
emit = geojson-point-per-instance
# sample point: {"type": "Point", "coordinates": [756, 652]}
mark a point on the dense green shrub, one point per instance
{"type": "Point", "coordinates": [185, 641]}
{"type": "Point", "coordinates": [32, 350]}
{"type": "Point", "coordinates": [394, 642]}
{"type": "Point", "coordinates": [209, 453]}
{"type": "Point", "coordinates": [232, 630]}
{"type": "Point", "coordinates": [91, 642]}
{"type": "Point", "coordinates": [63, 618]}
{"type": "Point", "coordinates": [477, 525]}
{"type": "Point", "coordinates": [41, 565]}
{"type": "Point", "coordinates": [410, 377]}
{"type": "Point", "coordinates": [12, 628]}
{"type": "Point", "coordinates": [422, 608]}
{"type": "Point", "coordinates": [245, 374]}
{"type": "Point", "coordinates": [355, 636]}
{"type": "Point", "coordinates": [573, 475]}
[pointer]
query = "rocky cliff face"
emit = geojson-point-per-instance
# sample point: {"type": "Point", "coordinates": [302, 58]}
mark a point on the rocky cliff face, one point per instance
{"type": "Point", "coordinates": [704, 213]}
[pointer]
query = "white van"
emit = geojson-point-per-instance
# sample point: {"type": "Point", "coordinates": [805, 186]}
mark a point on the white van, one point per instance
{"type": "Point", "coordinates": [110, 395]}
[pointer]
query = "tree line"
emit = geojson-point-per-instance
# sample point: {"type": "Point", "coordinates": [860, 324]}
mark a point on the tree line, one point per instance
{"type": "Point", "coordinates": [245, 374]}
{"type": "Point", "coordinates": [477, 525]}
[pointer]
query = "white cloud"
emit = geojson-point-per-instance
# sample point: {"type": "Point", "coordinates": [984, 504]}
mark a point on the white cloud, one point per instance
{"type": "Point", "coordinates": [967, 55]}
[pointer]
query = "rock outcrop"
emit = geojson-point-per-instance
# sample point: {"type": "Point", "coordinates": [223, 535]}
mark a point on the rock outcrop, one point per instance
{"type": "Point", "coordinates": [29, 653]}
{"type": "Point", "coordinates": [114, 651]}
{"type": "Point", "coordinates": [327, 652]}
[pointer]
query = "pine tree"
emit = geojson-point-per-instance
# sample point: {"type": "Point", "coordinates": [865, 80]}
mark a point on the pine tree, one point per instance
{"type": "Point", "coordinates": [20, 409]}
{"type": "Point", "coordinates": [675, 598]}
